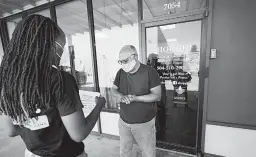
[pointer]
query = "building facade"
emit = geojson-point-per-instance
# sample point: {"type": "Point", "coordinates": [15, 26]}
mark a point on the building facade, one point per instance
{"type": "Point", "coordinates": [205, 58]}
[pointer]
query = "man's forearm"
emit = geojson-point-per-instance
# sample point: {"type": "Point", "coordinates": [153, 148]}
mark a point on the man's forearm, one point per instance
{"type": "Point", "coordinates": [91, 119]}
{"type": "Point", "coordinates": [148, 98]}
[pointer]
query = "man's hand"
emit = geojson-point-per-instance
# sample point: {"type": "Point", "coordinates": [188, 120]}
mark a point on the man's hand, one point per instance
{"type": "Point", "coordinates": [125, 99]}
{"type": "Point", "coordinates": [100, 101]}
{"type": "Point", "coordinates": [132, 98]}
{"type": "Point", "coordinates": [128, 99]}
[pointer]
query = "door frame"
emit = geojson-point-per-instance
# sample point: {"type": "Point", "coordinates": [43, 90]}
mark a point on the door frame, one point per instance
{"type": "Point", "coordinates": [196, 15]}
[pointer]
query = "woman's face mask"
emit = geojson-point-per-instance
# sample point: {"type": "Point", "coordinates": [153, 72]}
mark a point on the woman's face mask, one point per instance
{"type": "Point", "coordinates": [59, 49]}
{"type": "Point", "coordinates": [129, 66]}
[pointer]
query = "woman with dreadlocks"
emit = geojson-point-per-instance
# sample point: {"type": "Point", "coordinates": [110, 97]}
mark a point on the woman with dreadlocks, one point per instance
{"type": "Point", "coordinates": [39, 102]}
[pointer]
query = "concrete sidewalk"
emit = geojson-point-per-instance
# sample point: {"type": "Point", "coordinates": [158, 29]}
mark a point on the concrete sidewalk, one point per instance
{"type": "Point", "coordinates": [95, 146]}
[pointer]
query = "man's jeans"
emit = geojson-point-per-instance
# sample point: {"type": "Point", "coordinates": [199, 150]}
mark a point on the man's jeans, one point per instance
{"type": "Point", "coordinates": [144, 134]}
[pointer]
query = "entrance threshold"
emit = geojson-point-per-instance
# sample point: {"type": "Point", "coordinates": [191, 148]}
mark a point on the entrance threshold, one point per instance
{"type": "Point", "coordinates": [176, 153]}
{"type": "Point", "coordinates": [161, 152]}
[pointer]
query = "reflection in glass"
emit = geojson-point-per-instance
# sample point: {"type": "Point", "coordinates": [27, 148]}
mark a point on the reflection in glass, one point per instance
{"type": "Point", "coordinates": [74, 22]}
{"type": "Point", "coordinates": [174, 51]}
{"type": "Point", "coordinates": [73, 19]}
{"type": "Point", "coordinates": [116, 25]}
{"type": "Point", "coordinates": [153, 8]}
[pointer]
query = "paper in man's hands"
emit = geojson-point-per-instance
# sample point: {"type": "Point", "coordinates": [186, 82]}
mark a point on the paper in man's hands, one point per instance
{"type": "Point", "coordinates": [88, 100]}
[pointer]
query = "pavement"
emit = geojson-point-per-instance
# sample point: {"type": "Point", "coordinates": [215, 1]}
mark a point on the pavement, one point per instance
{"type": "Point", "coordinates": [95, 146]}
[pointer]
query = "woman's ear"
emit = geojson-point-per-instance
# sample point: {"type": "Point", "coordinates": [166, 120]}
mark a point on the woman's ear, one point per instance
{"type": "Point", "coordinates": [136, 57]}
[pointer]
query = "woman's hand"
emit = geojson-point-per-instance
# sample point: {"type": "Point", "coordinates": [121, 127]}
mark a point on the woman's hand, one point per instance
{"type": "Point", "coordinates": [100, 101]}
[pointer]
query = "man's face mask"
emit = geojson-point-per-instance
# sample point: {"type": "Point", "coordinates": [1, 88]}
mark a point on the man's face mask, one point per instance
{"type": "Point", "coordinates": [128, 64]}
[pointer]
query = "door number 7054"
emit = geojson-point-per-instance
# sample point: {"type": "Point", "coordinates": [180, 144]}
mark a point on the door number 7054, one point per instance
{"type": "Point", "coordinates": [172, 5]}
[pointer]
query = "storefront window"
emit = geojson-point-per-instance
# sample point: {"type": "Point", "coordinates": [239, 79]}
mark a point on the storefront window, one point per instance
{"type": "Point", "coordinates": [74, 22]}
{"type": "Point", "coordinates": [153, 8]}
{"type": "Point", "coordinates": [174, 51]}
{"type": "Point", "coordinates": [116, 25]}
{"type": "Point", "coordinates": [11, 25]}
{"type": "Point", "coordinates": [73, 19]}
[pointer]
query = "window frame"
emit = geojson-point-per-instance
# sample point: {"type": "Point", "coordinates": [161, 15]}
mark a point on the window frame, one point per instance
{"type": "Point", "coordinates": [142, 23]}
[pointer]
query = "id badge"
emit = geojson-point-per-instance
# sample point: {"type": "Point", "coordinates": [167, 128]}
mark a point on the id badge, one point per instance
{"type": "Point", "coordinates": [36, 124]}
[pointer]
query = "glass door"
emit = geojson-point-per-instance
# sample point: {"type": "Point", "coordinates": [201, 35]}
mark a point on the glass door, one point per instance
{"type": "Point", "coordinates": [174, 51]}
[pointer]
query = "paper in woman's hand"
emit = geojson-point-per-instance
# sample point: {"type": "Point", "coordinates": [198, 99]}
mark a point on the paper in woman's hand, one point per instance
{"type": "Point", "coordinates": [88, 100]}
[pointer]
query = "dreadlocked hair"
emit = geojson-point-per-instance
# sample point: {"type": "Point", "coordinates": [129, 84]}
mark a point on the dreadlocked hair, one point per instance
{"type": "Point", "coordinates": [26, 74]}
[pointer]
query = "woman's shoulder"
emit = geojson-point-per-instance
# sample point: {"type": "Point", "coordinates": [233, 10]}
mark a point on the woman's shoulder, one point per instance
{"type": "Point", "coordinates": [66, 76]}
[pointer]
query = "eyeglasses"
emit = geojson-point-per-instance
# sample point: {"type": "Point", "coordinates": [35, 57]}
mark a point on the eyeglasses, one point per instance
{"type": "Point", "coordinates": [125, 61]}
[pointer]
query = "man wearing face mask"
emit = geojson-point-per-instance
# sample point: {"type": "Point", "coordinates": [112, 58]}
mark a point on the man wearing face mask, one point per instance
{"type": "Point", "coordinates": [137, 87]}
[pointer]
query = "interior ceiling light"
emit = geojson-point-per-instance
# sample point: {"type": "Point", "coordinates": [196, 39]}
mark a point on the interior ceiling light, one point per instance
{"type": "Point", "coordinates": [172, 40]}
{"type": "Point", "coordinates": [127, 13]}
{"type": "Point", "coordinates": [168, 27]}
{"type": "Point", "coordinates": [101, 35]}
